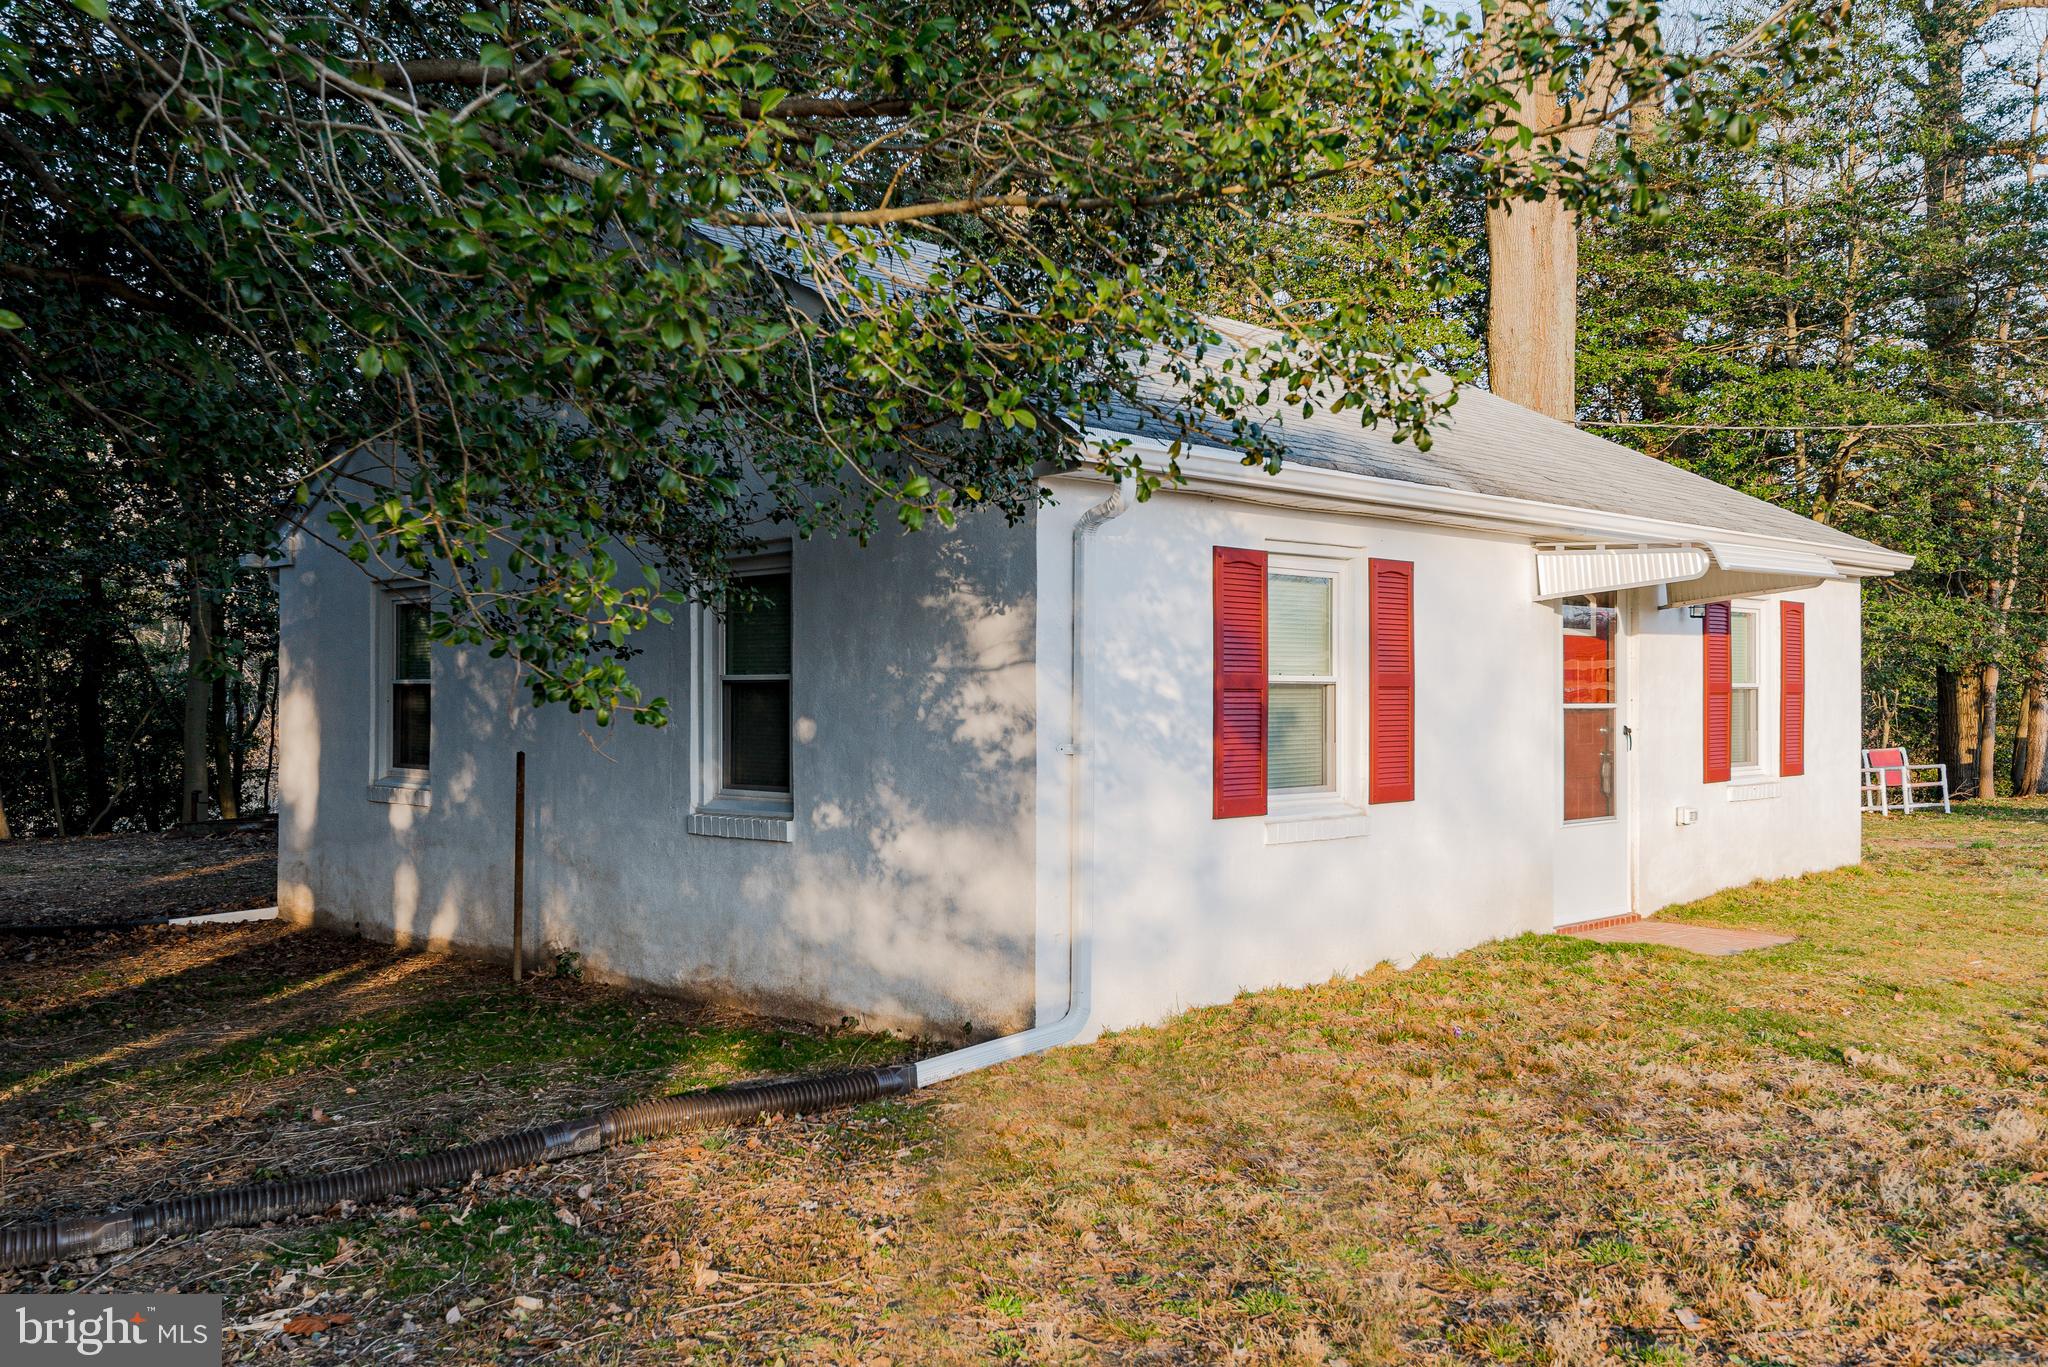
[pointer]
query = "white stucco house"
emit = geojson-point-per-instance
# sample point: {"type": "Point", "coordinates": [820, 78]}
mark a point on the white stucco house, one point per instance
{"type": "Point", "coordinates": [1257, 730]}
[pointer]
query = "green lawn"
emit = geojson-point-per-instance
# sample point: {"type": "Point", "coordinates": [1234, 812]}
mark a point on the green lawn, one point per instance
{"type": "Point", "coordinates": [1541, 1151]}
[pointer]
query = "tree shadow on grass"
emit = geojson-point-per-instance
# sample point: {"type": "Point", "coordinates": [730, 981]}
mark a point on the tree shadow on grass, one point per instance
{"type": "Point", "coordinates": [305, 1051]}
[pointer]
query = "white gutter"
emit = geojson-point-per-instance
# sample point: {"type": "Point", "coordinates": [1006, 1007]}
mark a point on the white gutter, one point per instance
{"type": "Point", "coordinates": [1080, 790]}
{"type": "Point", "coordinates": [1222, 473]}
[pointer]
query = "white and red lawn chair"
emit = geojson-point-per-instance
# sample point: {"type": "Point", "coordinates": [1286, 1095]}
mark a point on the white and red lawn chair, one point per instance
{"type": "Point", "coordinates": [1884, 770]}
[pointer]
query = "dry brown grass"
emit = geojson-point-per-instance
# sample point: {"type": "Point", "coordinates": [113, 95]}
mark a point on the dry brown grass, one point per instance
{"type": "Point", "coordinates": [103, 880]}
{"type": "Point", "coordinates": [1541, 1151]}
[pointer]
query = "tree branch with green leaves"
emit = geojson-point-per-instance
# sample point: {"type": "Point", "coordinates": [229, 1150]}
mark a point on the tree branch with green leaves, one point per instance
{"type": "Point", "coordinates": [618, 287]}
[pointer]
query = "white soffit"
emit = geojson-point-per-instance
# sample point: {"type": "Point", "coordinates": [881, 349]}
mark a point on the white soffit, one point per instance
{"type": "Point", "coordinates": [1743, 570]}
{"type": "Point", "coordinates": [1568, 573]}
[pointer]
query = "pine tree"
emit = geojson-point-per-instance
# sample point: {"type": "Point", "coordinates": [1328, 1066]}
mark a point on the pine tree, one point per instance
{"type": "Point", "coordinates": [1848, 321]}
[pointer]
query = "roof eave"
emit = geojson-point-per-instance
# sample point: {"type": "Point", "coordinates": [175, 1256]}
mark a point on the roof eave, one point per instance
{"type": "Point", "coordinates": [1220, 472]}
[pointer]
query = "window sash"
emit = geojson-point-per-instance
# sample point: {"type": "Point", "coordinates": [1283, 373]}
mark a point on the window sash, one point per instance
{"type": "Point", "coordinates": [412, 724]}
{"type": "Point", "coordinates": [757, 636]}
{"type": "Point", "coordinates": [1299, 731]}
{"type": "Point", "coordinates": [411, 656]}
{"type": "Point", "coordinates": [1742, 652]}
{"type": "Point", "coordinates": [1745, 706]}
{"type": "Point", "coordinates": [754, 689]}
{"type": "Point", "coordinates": [1301, 626]}
{"type": "Point", "coordinates": [756, 736]}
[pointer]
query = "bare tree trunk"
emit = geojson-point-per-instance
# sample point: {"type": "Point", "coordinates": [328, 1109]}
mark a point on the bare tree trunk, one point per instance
{"type": "Point", "coordinates": [238, 748]}
{"type": "Point", "coordinates": [1532, 305]}
{"type": "Point", "coordinates": [1532, 323]}
{"type": "Point", "coordinates": [89, 704]}
{"type": "Point", "coordinates": [258, 722]}
{"type": "Point", "coordinates": [1944, 29]}
{"type": "Point", "coordinates": [147, 795]}
{"type": "Point", "coordinates": [198, 695]}
{"type": "Point", "coordinates": [2013, 773]}
{"type": "Point", "coordinates": [1955, 727]}
{"type": "Point", "coordinates": [1948, 746]}
{"type": "Point", "coordinates": [6, 832]}
{"type": "Point", "coordinates": [270, 749]}
{"type": "Point", "coordinates": [2030, 747]}
{"type": "Point", "coordinates": [1966, 731]}
{"type": "Point", "coordinates": [226, 775]}
{"type": "Point", "coordinates": [56, 784]}
{"type": "Point", "coordinates": [1987, 731]}
{"type": "Point", "coordinates": [128, 753]}
{"type": "Point", "coordinates": [1532, 250]}
{"type": "Point", "coordinates": [1646, 103]}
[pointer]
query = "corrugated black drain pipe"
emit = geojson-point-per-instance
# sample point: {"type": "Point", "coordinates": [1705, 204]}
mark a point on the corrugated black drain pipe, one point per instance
{"type": "Point", "coordinates": [51, 1241]}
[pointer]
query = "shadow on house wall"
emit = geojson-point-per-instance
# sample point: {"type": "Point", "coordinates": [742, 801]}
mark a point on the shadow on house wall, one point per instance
{"type": "Point", "coordinates": [905, 897]}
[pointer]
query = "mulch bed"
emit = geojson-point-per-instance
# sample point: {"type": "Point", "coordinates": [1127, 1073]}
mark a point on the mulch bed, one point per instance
{"type": "Point", "coordinates": [101, 880]}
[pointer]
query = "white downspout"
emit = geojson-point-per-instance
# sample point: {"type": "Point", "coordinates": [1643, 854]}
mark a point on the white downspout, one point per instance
{"type": "Point", "coordinates": [1074, 1019]}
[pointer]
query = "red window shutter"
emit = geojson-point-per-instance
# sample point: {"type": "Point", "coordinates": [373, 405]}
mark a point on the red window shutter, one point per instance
{"type": "Point", "coordinates": [1792, 690]}
{"type": "Point", "coordinates": [1240, 608]}
{"type": "Point", "coordinates": [1715, 635]}
{"type": "Point", "coordinates": [1392, 685]}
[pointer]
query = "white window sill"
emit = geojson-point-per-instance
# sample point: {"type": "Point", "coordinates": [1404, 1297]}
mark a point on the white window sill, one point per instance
{"type": "Point", "coordinates": [1295, 821]}
{"type": "Point", "coordinates": [744, 819]}
{"type": "Point", "coordinates": [402, 792]}
{"type": "Point", "coordinates": [1742, 789]}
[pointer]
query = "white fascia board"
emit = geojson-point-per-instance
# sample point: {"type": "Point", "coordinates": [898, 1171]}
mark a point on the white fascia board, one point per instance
{"type": "Point", "coordinates": [1220, 473]}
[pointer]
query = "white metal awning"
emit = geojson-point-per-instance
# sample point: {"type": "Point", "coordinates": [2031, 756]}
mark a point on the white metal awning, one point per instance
{"type": "Point", "coordinates": [1695, 573]}
{"type": "Point", "coordinates": [1741, 570]}
{"type": "Point", "coordinates": [1607, 569]}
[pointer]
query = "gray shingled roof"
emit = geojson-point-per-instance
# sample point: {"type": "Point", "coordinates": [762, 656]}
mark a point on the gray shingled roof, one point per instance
{"type": "Point", "coordinates": [900, 265]}
{"type": "Point", "coordinates": [1485, 444]}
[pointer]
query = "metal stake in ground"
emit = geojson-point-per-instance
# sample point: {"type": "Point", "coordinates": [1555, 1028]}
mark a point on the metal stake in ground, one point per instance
{"type": "Point", "coordinates": [519, 866]}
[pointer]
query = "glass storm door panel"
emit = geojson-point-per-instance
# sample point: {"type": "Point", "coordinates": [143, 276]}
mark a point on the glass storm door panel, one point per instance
{"type": "Point", "coordinates": [1591, 877]}
{"type": "Point", "coordinates": [1591, 728]}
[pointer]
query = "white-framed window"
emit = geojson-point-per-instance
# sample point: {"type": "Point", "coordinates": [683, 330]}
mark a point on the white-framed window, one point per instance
{"type": "Point", "coordinates": [744, 783]}
{"type": "Point", "coordinates": [1302, 682]}
{"type": "Point", "coordinates": [1316, 675]}
{"type": "Point", "coordinates": [1745, 688]}
{"type": "Point", "coordinates": [407, 687]}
